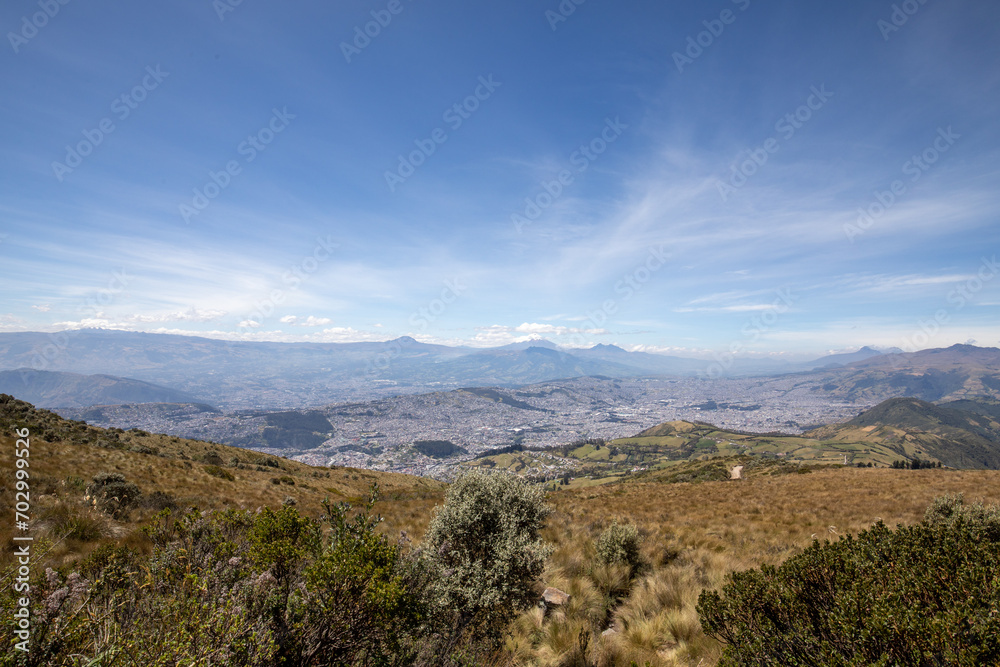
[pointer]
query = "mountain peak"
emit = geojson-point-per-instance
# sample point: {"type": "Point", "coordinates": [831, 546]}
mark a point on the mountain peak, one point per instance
{"type": "Point", "coordinates": [404, 340]}
{"type": "Point", "coordinates": [601, 347]}
{"type": "Point", "coordinates": [534, 341]}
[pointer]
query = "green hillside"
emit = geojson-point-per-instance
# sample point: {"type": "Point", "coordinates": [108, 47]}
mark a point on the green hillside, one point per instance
{"type": "Point", "coordinates": [957, 438]}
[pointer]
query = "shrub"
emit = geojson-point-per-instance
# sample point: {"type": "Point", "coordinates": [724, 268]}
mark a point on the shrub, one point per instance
{"type": "Point", "coordinates": [221, 473]}
{"type": "Point", "coordinates": [110, 567]}
{"type": "Point", "coordinates": [485, 544]}
{"type": "Point", "coordinates": [159, 500]}
{"type": "Point", "coordinates": [359, 607]}
{"type": "Point", "coordinates": [281, 539]}
{"type": "Point", "coordinates": [114, 495]}
{"type": "Point", "coordinates": [619, 543]}
{"type": "Point", "coordinates": [920, 595]}
{"type": "Point", "coordinates": [212, 458]}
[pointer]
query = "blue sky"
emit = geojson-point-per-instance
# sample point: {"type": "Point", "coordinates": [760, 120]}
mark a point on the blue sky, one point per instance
{"type": "Point", "coordinates": [766, 177]}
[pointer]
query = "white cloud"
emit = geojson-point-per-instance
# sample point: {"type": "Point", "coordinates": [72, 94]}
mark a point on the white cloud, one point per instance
{"type": "Point", "coordinates": [43, 307]}
{"type": "Point", "coordinates": [189, 315]}
{"type": "Point", "coordinates": [9, 322]}
{"type": "Point", "coordinates": [743, 308]}
{"type": "Point", "coordinates": [311, 321]}
{"type": "Point", "coordinates": [668, 350]}
{"type": "Point", "coordinates": [103, 320]}
{"type": "Point", "coordinates": [97, 322]}
{"type": "Point", "coordinates": [553, 330]}
{"type": "Point", "coordinates": [880, 283]}
{"type": "Point", "coordinates": [498, 334]}
{"type": "Point", "coordinates": [346, 335]}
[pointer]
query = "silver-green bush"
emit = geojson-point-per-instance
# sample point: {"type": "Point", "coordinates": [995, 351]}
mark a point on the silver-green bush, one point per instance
{"type": "Point", "coordinates": [485, 545]}
{"type": "Point", "coordinates": [619, 543]}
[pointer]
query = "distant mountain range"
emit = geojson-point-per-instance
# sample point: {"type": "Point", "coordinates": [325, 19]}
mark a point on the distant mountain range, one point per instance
{"type": "Point", "coordinates": [952, 373]}
{"type": "Point", "coordinates": [256, 375]}
{"type": "Point", "coordinates": [848, 357]}
{"type": "Point", "coordinates": [48, 389]}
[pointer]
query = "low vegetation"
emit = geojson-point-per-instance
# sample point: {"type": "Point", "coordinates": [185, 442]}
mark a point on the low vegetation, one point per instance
{"type": "Point", "coordinates": [274, 587]}
{"type": "Point", "coordinates": [918, 595]}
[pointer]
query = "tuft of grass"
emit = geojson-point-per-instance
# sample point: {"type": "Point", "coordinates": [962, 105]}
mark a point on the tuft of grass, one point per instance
{"type": "Point", "coordinates": [74, 522]}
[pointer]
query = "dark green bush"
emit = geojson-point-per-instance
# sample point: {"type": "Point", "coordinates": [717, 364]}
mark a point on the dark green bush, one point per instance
{"type": "Point", "coordinates": [76, 483]}
{"type": "Point", "coordinates": [359, 607]}
{"type": "Point", "coordinates": [159, 500]}
{"type": "Point", "coordinates": [926, 594]}
{"type": "Point", "coordinates": [212, 458]}
{"type": "Point", "coordinates": [114, 495]}
{"type": "Point", "coordinates": [221, 473]}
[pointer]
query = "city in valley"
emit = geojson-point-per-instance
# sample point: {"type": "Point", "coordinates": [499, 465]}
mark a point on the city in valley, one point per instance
{"type": "Point", "coordinates": [379, 434]}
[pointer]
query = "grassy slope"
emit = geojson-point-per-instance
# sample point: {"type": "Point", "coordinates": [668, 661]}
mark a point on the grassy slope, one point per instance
{"type": "Point", "coordinates": [955, 437]}
{"type": "Point", "coordinates": [693, 535]}
{"type": "Point", "coordinates": [65, 455]}
{"type": "Point", "coordinates": [668, 445]}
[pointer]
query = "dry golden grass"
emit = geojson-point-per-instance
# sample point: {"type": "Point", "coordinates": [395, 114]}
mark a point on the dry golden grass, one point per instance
{"type": "Point", "coordinates": [695, 534]}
